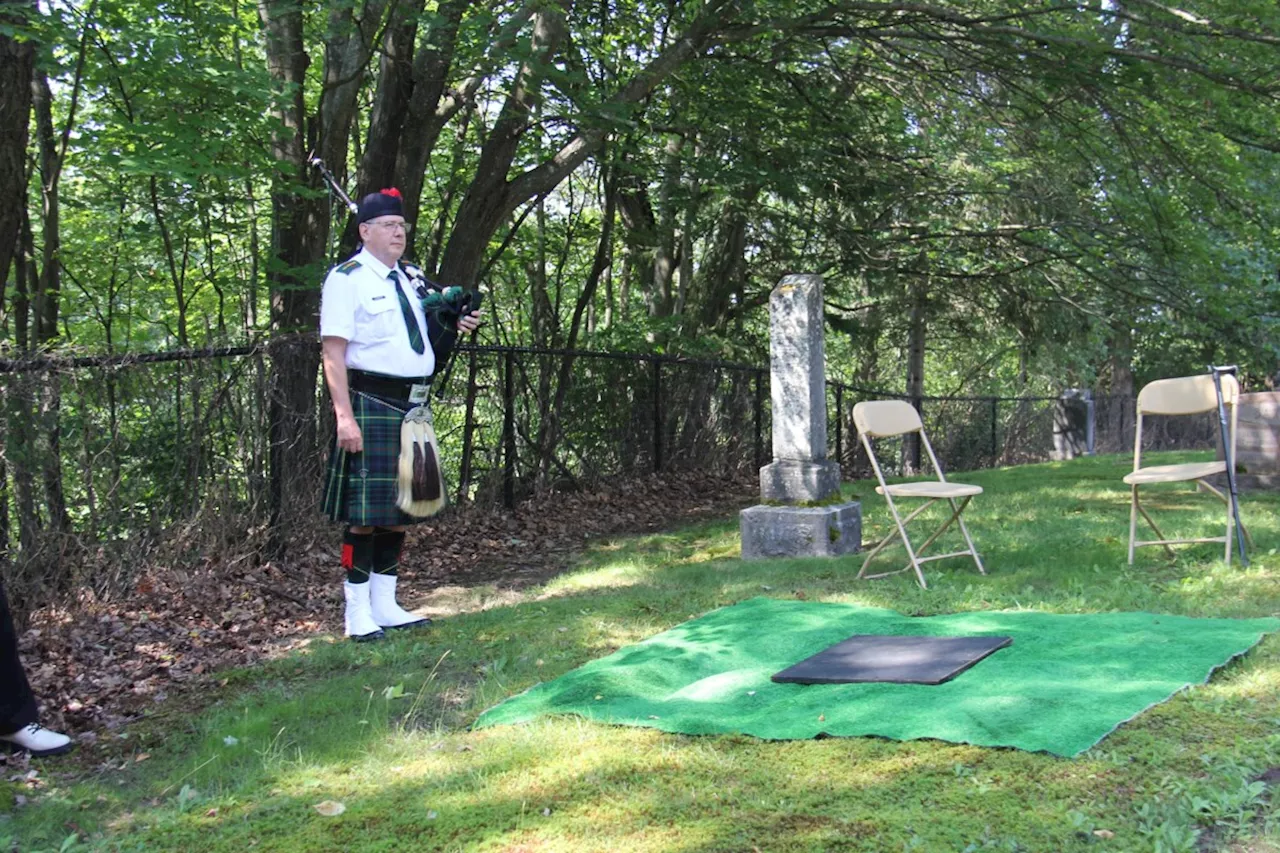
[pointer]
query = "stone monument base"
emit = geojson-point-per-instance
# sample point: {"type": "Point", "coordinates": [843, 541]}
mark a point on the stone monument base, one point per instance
{"type": "Point", "coordinates": [801, 531]}
{"type": "Point", "coordinates": [794, 481]}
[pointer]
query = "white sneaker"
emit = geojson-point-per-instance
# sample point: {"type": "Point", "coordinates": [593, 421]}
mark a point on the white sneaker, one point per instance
{"type": "Point", "coordinates": [359, 618]}
{"type": "Point", "coordinates": [386, 612]}
{"type": "Point", "coordinates": [38, 740]}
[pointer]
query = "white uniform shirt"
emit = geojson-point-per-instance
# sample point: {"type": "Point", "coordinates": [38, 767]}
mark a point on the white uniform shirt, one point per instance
{"type": "Point", "coordinates": [361, 307]}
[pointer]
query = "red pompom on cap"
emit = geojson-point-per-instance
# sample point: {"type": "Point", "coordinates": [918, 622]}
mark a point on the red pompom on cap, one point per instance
{"type": "Point", "coordinates": [391, 191]}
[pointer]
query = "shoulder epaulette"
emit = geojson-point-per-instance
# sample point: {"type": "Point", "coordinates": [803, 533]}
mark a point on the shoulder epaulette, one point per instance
{"type": "Point", "coordinates": [346, 268]}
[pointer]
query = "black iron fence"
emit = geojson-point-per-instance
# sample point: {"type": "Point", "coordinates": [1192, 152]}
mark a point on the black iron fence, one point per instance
{"type": "Point", "coordinates": [109, 463]}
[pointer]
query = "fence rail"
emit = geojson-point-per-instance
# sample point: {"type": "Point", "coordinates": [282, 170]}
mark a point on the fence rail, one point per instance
{"type": "Point", "coordinates": [108, 461]}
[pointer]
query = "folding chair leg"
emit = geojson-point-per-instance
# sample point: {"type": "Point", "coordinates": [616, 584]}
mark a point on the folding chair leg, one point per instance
{"type": "Point", "coordinates": [955, 515]}
{"type": "Point", "coordinates": [1232, 509]}
{"type": "Point", "coordinates": [1154, 527]}
{"type": "Point", "coordinates": [888, 540]}
{"type": "Point", "coordinates": [969, 540]}
{"type": "Point", "coordinates": [958, 518]}
{"type": "Point", "coordinates": [880, 546]}
{"type": "Point", "coordinates": [1133, 520]}
{"type": "Point", "coordinates": [906, 543]}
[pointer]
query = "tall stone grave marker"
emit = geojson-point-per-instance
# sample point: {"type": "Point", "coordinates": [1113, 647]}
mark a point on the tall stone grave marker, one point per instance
{"type": "Point", "coordinates": [800, 514]}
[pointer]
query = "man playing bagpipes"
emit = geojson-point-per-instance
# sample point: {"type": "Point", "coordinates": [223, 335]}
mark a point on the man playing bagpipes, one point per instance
{"type": "Point", "coordinates": [384, 330]}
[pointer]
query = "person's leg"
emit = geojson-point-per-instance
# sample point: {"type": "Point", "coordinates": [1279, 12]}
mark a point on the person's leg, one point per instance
{"type": "Point", "coordinates": [17, 703]}
{"type": "Point", "coordinates": [357, 559]}
{"type": "Point", "coordinates": [387, 545]}
{"type": "Point", "coordinates": [19, 716]}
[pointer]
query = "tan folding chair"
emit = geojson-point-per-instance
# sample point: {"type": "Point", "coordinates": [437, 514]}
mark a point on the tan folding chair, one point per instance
{"type": "Point", "coordinates": [885, 418]}
{"type": "Point", "coordinates": [1187, 395]}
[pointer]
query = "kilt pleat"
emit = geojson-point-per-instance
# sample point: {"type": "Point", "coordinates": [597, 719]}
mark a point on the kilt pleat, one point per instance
{"type": "Point", "coordinates": [361, 488]}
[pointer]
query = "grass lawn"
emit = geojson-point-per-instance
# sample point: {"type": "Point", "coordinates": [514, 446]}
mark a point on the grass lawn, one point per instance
{"type": "Point", "coordinates": [383, 729]}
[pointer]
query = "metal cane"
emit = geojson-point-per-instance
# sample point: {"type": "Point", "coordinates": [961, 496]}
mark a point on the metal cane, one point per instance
{"type": "Point", "coordinates": [1217, 372]}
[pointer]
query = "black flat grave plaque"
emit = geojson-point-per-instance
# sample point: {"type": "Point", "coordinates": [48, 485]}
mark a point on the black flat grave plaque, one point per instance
{"type": "Point", "coordinates": [901, 659]}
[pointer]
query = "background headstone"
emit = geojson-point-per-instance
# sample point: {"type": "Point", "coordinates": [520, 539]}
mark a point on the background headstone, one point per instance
{"type": "Point", "coordinates": [788, 523]}
{"type": "Point", "coordinates": [1257, 441]}
{"type": "Point", "coordinates": [800, 472]}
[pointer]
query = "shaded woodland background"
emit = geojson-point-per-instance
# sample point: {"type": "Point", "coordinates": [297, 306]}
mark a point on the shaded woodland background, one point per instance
{"type": "Point", "coordinates": [1004, 199]}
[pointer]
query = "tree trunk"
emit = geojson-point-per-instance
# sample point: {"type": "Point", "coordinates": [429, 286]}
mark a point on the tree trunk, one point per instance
{"type": "Point", "coordinates": [298, 235]}
{"type": "Point", "coordinates": [428, 109]}
{"type": "Point", "coordinates": [664, 258]}
{"type": "Point", "coordinates": [489, 199]}
{"type": "Point", "coordinates": [48, 300]}
{"type": "Point", "coordinates": [1120, 422]}
{"type": "Point", "coordinates": [724, 272]}
{"type": "Point", "coordinates": [492, 196]}
{"type": "Point", "coordinates": [912, 450]}
{"type": "Point", "coordinates": [640, 236]}
{"type": "Point", "coordinates": [16, 62]}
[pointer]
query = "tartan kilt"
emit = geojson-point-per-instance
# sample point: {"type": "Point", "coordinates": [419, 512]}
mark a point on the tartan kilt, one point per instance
{"type": "Point", "coordinates": [361, 488]}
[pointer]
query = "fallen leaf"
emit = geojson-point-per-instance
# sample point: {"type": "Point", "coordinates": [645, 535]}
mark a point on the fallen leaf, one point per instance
{"type": "Point", "coordinates": [141, 756]}
{"type": "Point", "coordinates": [330, 808]}
{"type": "Point", "coordinates": [1104, 833]}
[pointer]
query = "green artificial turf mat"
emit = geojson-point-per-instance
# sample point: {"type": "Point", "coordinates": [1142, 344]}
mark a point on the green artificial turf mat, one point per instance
{"type": "Point", "coordinates": [1065, 683]}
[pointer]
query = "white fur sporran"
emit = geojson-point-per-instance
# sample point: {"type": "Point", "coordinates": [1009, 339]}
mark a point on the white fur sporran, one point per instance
{"type": "Point", "coordinates": [421, 482]}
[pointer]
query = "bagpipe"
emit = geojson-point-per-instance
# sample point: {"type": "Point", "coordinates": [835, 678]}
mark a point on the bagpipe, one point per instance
{"type": "Point", "coordinates": [420, 486]}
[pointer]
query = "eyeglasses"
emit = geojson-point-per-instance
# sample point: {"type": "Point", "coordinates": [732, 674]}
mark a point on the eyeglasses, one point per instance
{"type": "Point", "coordinates": [406, 227]}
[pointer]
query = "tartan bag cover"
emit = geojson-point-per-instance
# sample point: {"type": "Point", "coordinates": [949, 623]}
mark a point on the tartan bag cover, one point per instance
{"type": "Point", "coordinates": [361, 488]}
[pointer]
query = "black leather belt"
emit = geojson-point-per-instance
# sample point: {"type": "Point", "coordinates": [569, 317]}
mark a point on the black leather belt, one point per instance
{"type": "Point", "coordinates": [381, 385]}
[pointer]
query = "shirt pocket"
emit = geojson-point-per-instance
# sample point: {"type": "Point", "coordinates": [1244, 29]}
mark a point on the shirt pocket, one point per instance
{"type": "Point", "coordinates": [379, 317]}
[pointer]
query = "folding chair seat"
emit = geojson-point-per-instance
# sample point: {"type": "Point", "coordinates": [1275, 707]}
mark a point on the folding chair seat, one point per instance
{"type": "Point", "coordinates": [1187, 395]}
{"type": "Point", "coordinates": [887, 418]}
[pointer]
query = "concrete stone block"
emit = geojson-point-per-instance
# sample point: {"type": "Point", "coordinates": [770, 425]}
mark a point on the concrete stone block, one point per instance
{"type": "Point", "coordinates": [792, 481]}
{"type": "Point", "coordinates": [797, 531]}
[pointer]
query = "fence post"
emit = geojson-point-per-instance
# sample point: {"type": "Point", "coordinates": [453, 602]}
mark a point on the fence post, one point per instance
{"type": "Point", "coordinates": [657, 415]}
{"type": "Point", "coordinates": [839, 423]}
{"type": "Point", "coordinates": [1090, 438]}
{"type": "Point", "coordinates": [509, 431]}
{"type": "Point", "coordinates": [758, 417]}
{"type": "Point", "coordinates": [468, 427]}
{"type": "Point", "coordinates": [916, 443]}
{"type": "Point", "coordinates": [995, 418]}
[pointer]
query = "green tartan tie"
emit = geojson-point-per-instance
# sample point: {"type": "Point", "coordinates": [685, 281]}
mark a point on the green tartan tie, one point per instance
{"type": "Point", "coordinates": [410, 319]}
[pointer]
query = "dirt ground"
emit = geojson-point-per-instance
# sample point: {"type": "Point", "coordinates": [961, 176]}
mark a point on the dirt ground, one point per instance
{"type": "Point", "coordinates": [95, 665]}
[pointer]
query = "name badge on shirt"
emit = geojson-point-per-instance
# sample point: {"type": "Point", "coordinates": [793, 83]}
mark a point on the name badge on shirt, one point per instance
{"type": "Point", "coordinates": [418, 393]}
